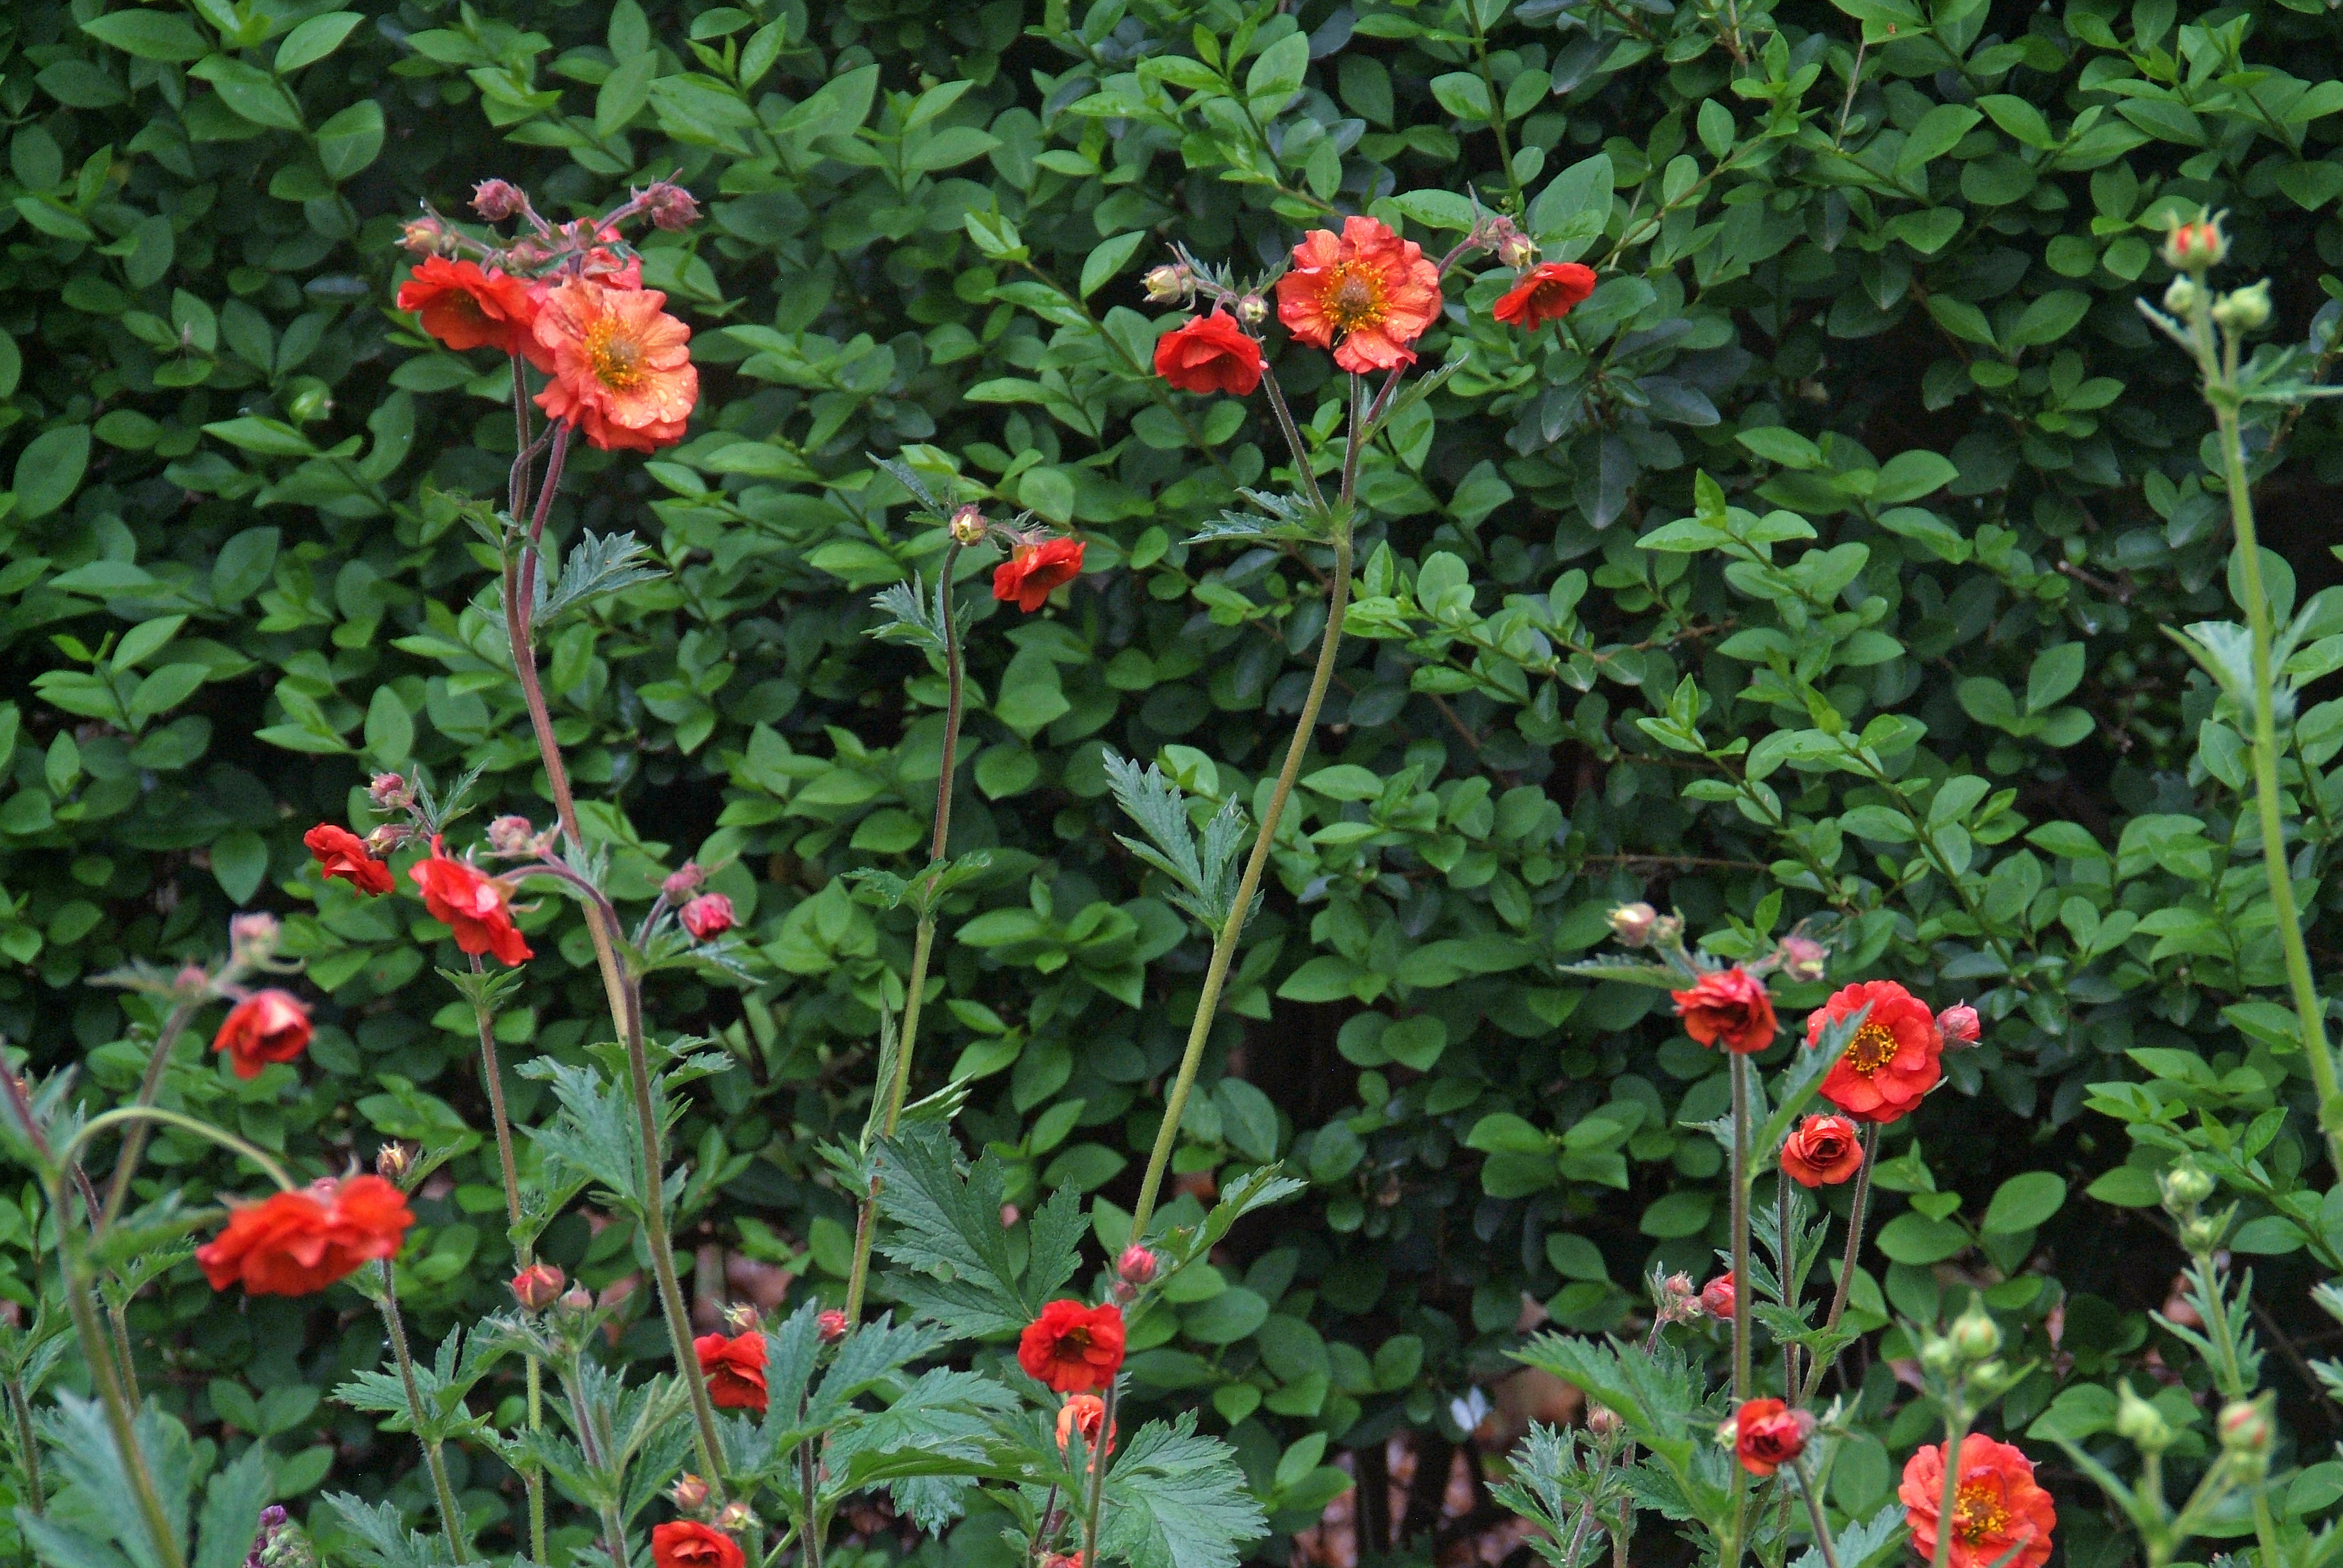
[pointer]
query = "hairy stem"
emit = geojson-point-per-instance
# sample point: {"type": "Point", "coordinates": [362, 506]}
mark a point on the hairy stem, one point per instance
{"type": "Point", "coordinates": [35, 1497]}
{"type": "Point", "coordinates": [1956, 1433]}
{"type": "Point", "coordinates": [1098, 1472]}
{"type": "Point", "coordinates": [809, 1553]}
{"type": "Point", "coordinates": [1846, 1264]}
{"type": "Point", "coordinates": [524, 1253]}
{"type": "Point", "coordinates": [1823, 1541]}
{"type": "Point", "coordinates": [134, 1141]}
{"type": "Point", "coordinates": [1741, 1347]}
{"type": "Point", "coordinates": [117, 1314]}
{"type": "Point", "coordinates": [451, 1517]}
{"type": "Point", "coordinates": [1793, 1288]}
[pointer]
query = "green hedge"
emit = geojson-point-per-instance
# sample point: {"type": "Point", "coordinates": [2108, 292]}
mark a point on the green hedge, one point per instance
{"type": "Point", "coordinates": [1815, 569]}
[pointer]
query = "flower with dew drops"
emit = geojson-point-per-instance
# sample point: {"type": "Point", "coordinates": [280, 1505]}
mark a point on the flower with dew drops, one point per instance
{"type": "Point", "coordinates": [735, 1370]}
{"type": "Point", "coordinates": [342, 853]}
{"type": "Point", "coordinates": [1728, 1008]}
{"type": "Point", "coordinates": [688, 1543]}
{"type": "Point", "coordinates": [466, 307]}
{"type": "Point", "coordinates": [264, 1026]}
{"type": "Point", "coordinates": [297, 1243]}
{"type": "Point", "coordinates": [1072, 1348]}
{"type": "Point", "coordinates": [1823, 1152]}
{"type": "Point", "coordinates": [1031, 571]}
{"type": "Point", "coordinates": [1365, 293]}
{"type": "Point", "coordinates": [2000, 1516]}
{"type": "Point", "coordinates": [469, 904]}
{"type": "Point", "coordinates": [622, 369]}
{"type": "Point", "coordinates": [1209, 354]}
{"type": "Point", "coordinates": [1894, 1059]}
{"type": "Point", "coordinates": [1548, 292]}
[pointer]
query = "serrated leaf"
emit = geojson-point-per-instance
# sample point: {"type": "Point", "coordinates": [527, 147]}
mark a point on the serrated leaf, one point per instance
{"type": "Point", "coordinates": [598, 566]}
{"type": "Point", "coordinates": [1176, 1500]}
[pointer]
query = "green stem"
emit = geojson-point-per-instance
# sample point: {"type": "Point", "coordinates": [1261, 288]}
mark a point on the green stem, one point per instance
{"type": "Point", "coordinates": [118, 1316]}
{"type": "Point", "coordinates": [136, 1114]}
{"type": "Point", "coordinates": [1823, 1541]}
{"type": "Point", "coordinates": [1098, 1472]}
{"type": "Point", "coordinates": [1224, 945]}
{"type": "Point", "coordinates": [524, 1253]}
{"type": "Point", "coordinates": [100, 1357]}
{"type": "Point", "coordinates": [1741, 1346]}
{"type": "Point", "coordinates": [1956, 1433]}
{"type": "Point", "coordinates": [590, 1448]}
{"type": "Point", "coordinates": [35, 1497]}
{"type": "Point", "coordinates": [134, 1141]}
{"type": "Point", "coordinates": [809, 1555]}
{"type": "Point", "coordinates": [533, 1478]}
{"type": "Point", "coordinates": [451, 1518]}
{"type": "Point", "coordinates": [1846, 1264]}
{"type": "Point", "coordinates": [1793, 1288]}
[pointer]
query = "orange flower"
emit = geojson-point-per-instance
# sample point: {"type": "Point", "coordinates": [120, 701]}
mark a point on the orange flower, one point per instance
{"type": "Point", "coordinates": [1894, 1059]}
{"type": "Point", "coordinates": [1729, 1009]}
{"type": "Point", "coordinates": [295, 1243]}
{"type": "Point", "coordinates": [342, 853]}
{"type": "Point", "coordinates": [466, 308]}
{"type": "Point", "coordinates": [1209, 354]}
{"type": "Point", "coordinates": [267, 1026]}
{"type": "Point", "coordinates": [1030, 571]}
{"type": "Point", "coordinates": [1997, 1507]}
{"type": "Point", "coordinates": [1545, 295]}
{"type": "Point", "coordinates": [470, 905]}
{"type": "Point", "coordinates": [1823, 1152]}
{"type": "Point", "coordinates": [688, 1543]}
{"type": "Point", "coordinates": [1368, 284]}
{"type": "Point", "coordinates": [622, 369]}
{"type": "Point", "coordinates": [1072, 1348]}
{"type": "Point", "coordinates": [1085, 1414]}
{"type": "Point", "coordinates": [735, 1370]}
{"type": "Point", "coordinates": [1768, 1434]}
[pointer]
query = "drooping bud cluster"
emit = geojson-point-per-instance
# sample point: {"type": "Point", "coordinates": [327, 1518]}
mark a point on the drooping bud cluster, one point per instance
{"type": "Point", "coordinates": [1676, 1300]}
{"type": "Point", "coordinates": [669, 206]}
{"type": "Point", "coordinates": [681, 884]}
{"type": "Point", "coordinates": [389, 792]}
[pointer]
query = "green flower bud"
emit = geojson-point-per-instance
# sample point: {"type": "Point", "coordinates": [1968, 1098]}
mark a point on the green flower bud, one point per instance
{"type": "Point", "coordinates": [2244, 1427]}
{"type": "Point", "coordinates": [2140, 1423]}
{"type": "Point", "coordinates": [2201, 1234]}
{"type": "Point", "coordinates": [1941, 1355]}
{"type": "Point", "coordinates": [2184, 1186]}
{"type": "Point", "coordinates": [2244, 309]}
{"type": "Point", "coordinates": [1975, 1334]}
{"type": "Point", "coordinates": [2182, 297]}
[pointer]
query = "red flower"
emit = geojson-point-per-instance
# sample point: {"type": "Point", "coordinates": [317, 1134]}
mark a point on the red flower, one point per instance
{"type": "Point", "coordinates": [1367, 283]}
{"type": "Point", "coordinates": [688, 1543]}
{"type": "Point", "coordinates": [709, 915]}
{"type": "Point", "coordinates": [622, 369]}
{"type": "Point", "coordinates": [1083, 1412]}
{"type": "Point", "coordinates": [264, 1026]}
{"type": "Point", "coordinates": [1545, 295]}
{"type": "Point", "coordinates": [1209, 354]}
{"type": "Point", "coordinates": [1030, 573]}
{"type": "Point", "coordinates": [1728, 1008]}
{"type": "Point", "coordinates": [1072, 1348]}
{"type": "Point", "coordinates": [735, 1370]}
{"type": "Point", "coordinates": [1995, 1506]}
{"type": "Point", "coordinates": [1717, 1296]}
{"type": "Point", "coordinates": [465, 307]}
{"type": "Point", "coordinates": [293, 1243]}
{"type": "Point", "coordinates": [342, 853]}
{"type": "Point", "coordinates": [1768, 1434]}
{"type": "Point", "coordinates": [1893, 1059]}
{"type": "Point", "coordinates": [1823, 1152]}
{"type": "Point", "coordinates": [470, 905]}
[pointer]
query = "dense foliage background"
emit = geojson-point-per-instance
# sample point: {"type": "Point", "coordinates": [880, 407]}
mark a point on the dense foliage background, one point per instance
{"type": "Point", "coordinates": [1870, 268]}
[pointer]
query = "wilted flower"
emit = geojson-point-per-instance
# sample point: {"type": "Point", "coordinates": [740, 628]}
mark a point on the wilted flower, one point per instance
{"type": "Point", "coordinates": [470, 905]}
{"type": "Point", "coordinates": [1549, 292]}
{"type": "Point", "coordinates": [425, 236]}
{"type": "Point", "coordinates": [670, 207]}
{"type": "Point", "coordinates": [297, 1243]}
{"type": "Point", "coordinates": [1170, 283]}
{"type": "Point", "coordinates": [1728, 1008]}
{"type": "Point", "coordinates": [267, 1026]}
{"type": "Point", "coordinates": [1768, 1434]}
{"type": "Point", "coordinates": [342, 853]}
{"type": "Point", "coordinates": [1031, 571]}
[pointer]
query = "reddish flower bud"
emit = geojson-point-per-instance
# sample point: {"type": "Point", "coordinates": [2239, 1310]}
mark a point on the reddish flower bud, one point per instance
{"type": "Point", "coordinates": [538, 1286]}
{"type": "Point", "coordinates": [681, 884]}
{"type": "Point", "coordinates": [578, 1300]}
{"type": "Point", "coordinates": [1961, 1024]}
{"type": "Point", "coordinates": [831, 1326]}
{"type": "Point", "coordinates": [967, 525]}
{"type": "Point", "coordinates": [708, 916]}
{"type": "Point", "coordinates": [736, 1517]}
{"type": "Point", "coordinates": [497, 200]}
{"type": "Point", "coordinates": [425, 236]}
{"type": "Point", "coordinates": [671, 207]}
{"type": "Point", "coordinates": [1717, 1296]}
{"type": "Point", "coordinates": [253, 938]}
{"type": "Point", "coordinates": [1603, 1422]}
{"type": "Point", "coordinates": [689, 1493]}
{"type": "Point", "coordinates": [510, 836]}
{"type": "Point", "coordinates": [2196, 247]}
{"type": "Point", "coordinates": [1803, 957]}
{"type": "Point", "coordinates": [389, 792]}
{"type": "Point", "coordinates": [1631, 924]}
{"type": "Point", "coordinates": [393, 1161]}
{"type": "Point", "coordinates": [1137, 1264]}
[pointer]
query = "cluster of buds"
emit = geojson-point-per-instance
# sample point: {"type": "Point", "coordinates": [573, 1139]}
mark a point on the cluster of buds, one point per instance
{"type": "Point", "coordinates": [390, 792]}
{"type": "Point", "coordinates": [2191, 250]}
{"type": "Point", "coordinates": [1967, 1353]}
{"type": "Point", "coordinates": [514, 838]}
{"type": "Point", "coordinates": [1504, 236]}
{"type": "Point", "coordinates": [252, 941]}
{"type": "Point", "coordinates": [1132, 1270]}
{"type": "Point", "coordinates": [278, 1543]}
{"type": "Point", "coordinates": [582, 246]}
{"type": "Point", "coordinates": [2184, 1189]}
{"type": "Point", "coordinates": [539, 1287]}
{"type": "Point", "coordinates": [1638, 925]}
{"type": "Point", "coordinates": [1676, 1299]}
{"type": "Point", "coordinates": [1184, 280]}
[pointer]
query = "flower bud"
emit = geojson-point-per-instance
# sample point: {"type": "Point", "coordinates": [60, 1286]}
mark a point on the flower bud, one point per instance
{"type": "Point", "coordinates": [385, 839]}
{"type": "Point", "coordinates": [2183, 295]}
{"type": "Point", "coordinates": [1517, 250]}
{"type": "Point", "coordinates": [1603, 1422]}
{"type": "Point", "coordinates": [831, 1326]}
{"type": "Point", "coordinates": [735, 1517]}
{"type": "Point", "coordinates": [1989, 1375]}
{"type": "Point", "coordinates": [389, 792]}
{"type": "Point", "coordinates": [1170, 283]}
{"type": "Point", "coordinates": [510, 836]}
{"type": "Point", "coordinates": [1960, 1024]}
{"type": "Point", "coordinates": [2139, 1422]}
{"type": "Point", "coordinates": [1728, 1432]}
{"type": "Point", "coordinates": [497, 200]}
{"type": "Point", "coordinates": [740, 1317]}
{"type": "Point", "coordinates": [538, 1286]}
{"type": "Point", "coordinates": [681, 884]}
{"type": "Point", "coordinates": [392, 1161]}
{"type": "Point", "coordinates": [967, 525]}
{"type": "Point", "coordinates": [2246, 309]}
{"type": "Point", "coordinates": [2184, 1186]}
{"type": "Point", "coordinates": [577, 1301]}
{"type": "Point", "coordinates": [2201, 1234]}
{"type": "Point", "coordinates": [1940, 1356]}
{"type": "Point", "coordinates": [309, 401]}
{"type": "Point", "coordinates": [1803, 957]}
{"type": "Point", "coordinates": [1137, 1264]}
{"type": "Point", "coordinates": [1974, 1332]}
{"type": "Point", "coordinates": [425, 236]}
{"type": "Point", "coordinates": [1632, 924]}
{"type": "Point", "coordinates": [2196, 246]}
{"type": "Point", "coordinates": [253, 938]}
{"type": "Point", "coordinates": [706, 917]}
{"type": "Point", "coordinates": [1717, 1296]}
{"type": "Point", "coordinates": [671, 207]}
{"type": "Point", "coordinates": [1252, 309]}
{"type": "Point", "coordinates": [689, 1493]}
{"type": "Point", "coordinates": [1667, 932]}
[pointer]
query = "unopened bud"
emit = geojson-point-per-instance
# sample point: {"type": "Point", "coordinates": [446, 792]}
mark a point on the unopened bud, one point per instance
{"type": "Point", "coordinates": [740, 1317]}
{"type": "Point", "coordinates": [1631, 924]}
{"type": "Point", "coordinates": [689, 1493]}
{"type": "Point", "coordinates": [2184, 1186]}
{"type": "Point", "coordinates": [385, 839]}
{"type": "Point", "coordinates": [1603, 1422]}
{"type": "Point", "coordinates": [1667, 932]}
{"type": "Point", "coordinates": [735, 1518]}
{"type": "Point", "coordinates": [2201, 1234]}
{"type": "Point", "coordinates": [1960, 1024]}
{"type": "Point", "coordinates": [830, 1325]}
{"type": "Point", "coordinates": [681, 884]}
{"type": "Point", "coordinates": [1728, 1434]}
{"type": "Point", "coordinates": [1252, 309]}
{"type": "Point", "coordinates": [577, 1301]}
{"type": "Point", "coordinates": [425, 236]}
{"type": "Point", "coordinates": [2183, 295]}
{"type": "Point", "coordinates": [671, 207]}
{"type": "Point", "coordinates": [1137, 1264]}
{"type": "Point", "coordinates": [1169, 284]}
{"type": "Point", "coordinates": [1989, 1375]}
{"type": "Point", "coordinates": [706, 917]}
{"type": "Point", "coordinates": [392, 1161]}
{"type": "Point", "coordinates": [510, 836]}
{"type": "Point", "coordinates": [2244, 1427]}
{"type": "Point", "coordinates": [1718, 1296]}
{"type": "Point", "coordinates": [2246, 309]}
{"type": "Point", "coordinates": [2196, 246]}
{"type": "Point", "coordinates": [1803, 957]}
{"type": "Point", "coordinates": [1974, 1332]}
{"type": "Point", "coordinates": [967, 525]}
{"type": "Point", "coordinates": [538, 1286]}
{"type": "Point", "coordinates": [497, 200]}
{"type": "Point", "coordinates": [1940, 1356]}
{"type": "Point", "coordinates": [389, 792]}
{"type": "Point", "coordinates": [2139, 1422]}
{"type": "Point", "coordinates": [253, 938]}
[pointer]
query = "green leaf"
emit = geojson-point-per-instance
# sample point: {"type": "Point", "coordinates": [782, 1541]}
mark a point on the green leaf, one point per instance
{"type": "Point", "coordinates": [623, 94]}
{"type": "Point", "coordinates": [314, 39]}
{"type": "Point", "coordinates": [149, 34]}
{"type": "Point", "coordinates": [350, 140]}
{"type": "Point", "coordinates": [389, 729]}
{"type": "Point", "coordinates": [2024, 1202]}
{"type": "Point", "coordinates": [1109, 259]}
{"type": "Point", "coordinates": [1916, 1238]}
{"type": "Point", "coordinates": [49, 470]}
{"type": "Point", "coordinates": [2049, 318]}
{"type": "Point", "coordinates": [2056, 671]}
{"type": "Point", "coordinates": [1175, 1500]}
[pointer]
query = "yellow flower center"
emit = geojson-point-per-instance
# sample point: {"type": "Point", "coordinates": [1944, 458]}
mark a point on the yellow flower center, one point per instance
{"type": "Point", "coordinates": [617, 358]}
{"type": "Point", "coordinates": [1979, 1513]}
{"type": "Point", "coordinates": [1873, 1048]}
{"type": "Point", "coordinates": [1354, 298]}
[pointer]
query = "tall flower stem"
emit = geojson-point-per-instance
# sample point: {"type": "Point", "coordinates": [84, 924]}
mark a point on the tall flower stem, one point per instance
{"type": "Point", "coordinates": [524, 1252]}
{"type": "Point", "coordinates": [1956, 1433]}
{"type": "Point", "coordinates": [866, 1218]}
{"type": "Point", "coordinates": [451, 1517]}
{"type": "Point", "coordinates": [1854, 1218]}
{"type": "Point", "coordinates": [1823, 1541]}
{"type": "Point", "coordinates": [134, 1141]}
{"type": "Point", "coordinates": [1740, 1209]}
{"type": "Point", "coordinates": [1792, 1287]}
{"type": "Point", "coordinates": [1097, 1469]}
{"type": "Point", "coordinates": [590, 1448]}
{"type": "Point", "coordinates": [36, 1496]}
{"type": "Point", "coordinates": [2220, 371]}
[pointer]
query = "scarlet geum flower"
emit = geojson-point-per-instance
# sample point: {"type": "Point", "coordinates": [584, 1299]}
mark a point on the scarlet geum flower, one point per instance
{"type": "Point", "coordinates": [688, 1543]}
{"type": "Point", "coordinates": [1365, 293]}
{"type": "Point", "coordinates": [342, 853]}
{"type": "Point", "coordinates": [830, 1325]}
{"type": "Point", "coordinates": [1085, 1414]}
{"type": "Point", "coordinates": [1823, 1152]}
{"type": "Point", "coordinates": [465, 306]}
{"type": "Point", "coordinates": [708, 916]}
{"type": "Point", "coordinates": [735, 1370]}
{"type": "Point", "coordinates": [1548, 292]}
{"type": "Point", "coordinates": [267, 1026]}
{"type": "Point", "coordinates": [1072, 1348]}
{"type": "Point", "coordinates": [1717, 1296]}
{"type": "Point", "coordinates": [1768, 1434]}
{"type": "Point", "coordinates": [1031, 571]}
{"type": "Point", "coordinates": [538, 1286]}
{"type": "Point", "coordinates": [622, 370]}
{"type": "Point", "coordinates": [1892, 1061]}
{"type": "Point", "coordinates": [1209, 354]}
{"type": "Point", "coordinates": [1728, 1008]}
{"type": "Point", "coordinates": [470, 905]}
{"type": "Point", "coordinates": [297, 1243]}
{"type": "Point", "coordinates": [1999, 1514]}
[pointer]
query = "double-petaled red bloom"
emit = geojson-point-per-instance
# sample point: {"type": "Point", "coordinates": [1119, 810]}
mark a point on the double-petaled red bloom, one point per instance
{"type": "Point", "coordinates": [469, 904]}
{"type": "Point", "coordinates": [1728, 1008]}
{"type": "Point", "coordinates": [1029, 574]}
{"type": "Point", "coordinates": [735, 1370]}
{"type": "Point", "coordinates": [688, 1543]}
{"type": "Point", "coordinates": [295, 1243]}
{"type": "Point", "coordinates": [1209, 354]}
{"type": "Point", "coordinates": [1368, 287]}
{"type": "Point", "coordinates": [1545, 293]}
{"type": "Point", "coordinates": [342, 853]}
{"type": "Point", "coordinates": [1085, 1414]}
{"type": "Point", "coordinates": [465, 306]}
{"type": "Point", "coordinates": [707, 916]}
{"type": "Point", "coordinates": [1072, 1348]}
{"type": "Point", "coordinates": [1894, 1058]}
{"type": "Point", "coordinates": [1997, 1507]}
{"type": "Point", "coordinates": [1823, 1152]}
{"type": "Point", "coordinates": [1768, 1434]}
{"type": "Point", "coordinates": [622, 369]}
{"type": "Point", "coordinates": [264, 1026]}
